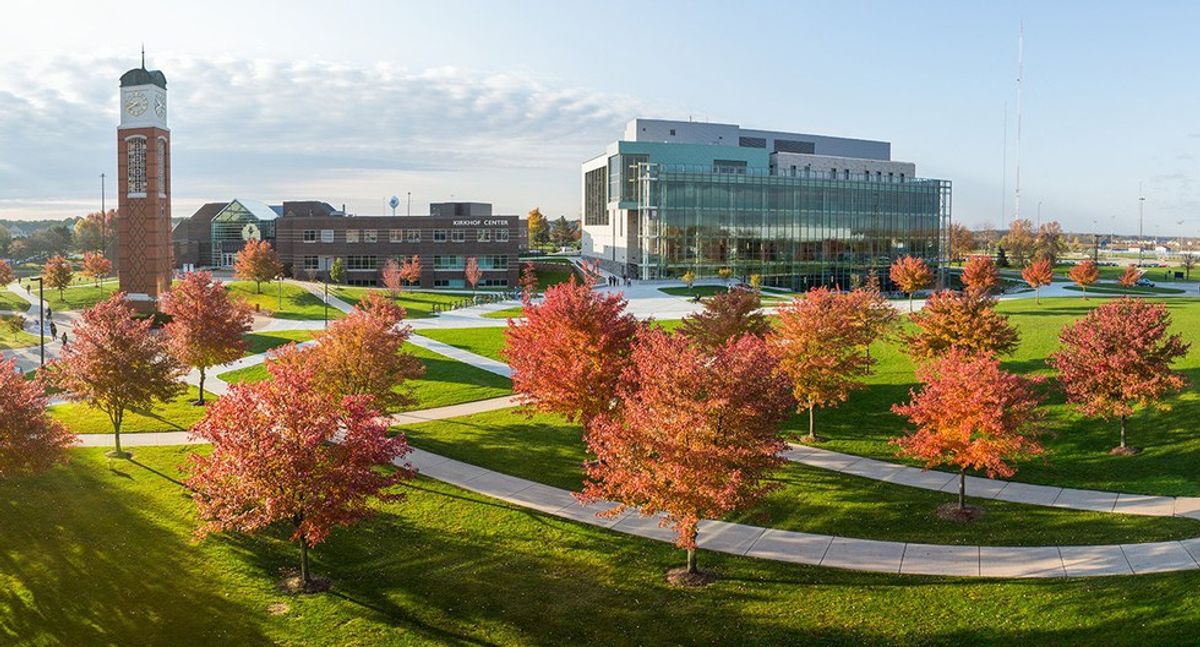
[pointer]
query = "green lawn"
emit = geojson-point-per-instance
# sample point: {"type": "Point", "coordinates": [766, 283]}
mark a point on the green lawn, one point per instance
{"type": "Point", "coordinates": [177, 415]}
{"type": "Point", "coordinates": [11, 302]}
{"type": "Point", "coordinates": [298, 303]}
{"type": "Point", "coordinates": [1120, 289]}
{"type": "Point", "coordinates": [1107, 272]}
{"type": "Point", "coordinates": [547, 449]}
{"type": "Point", "coordinates": [419, 305]}
{"type": "Point", "coordinates": [548, 277]}
{"type": "Point", "coordinates": [78, 297]}
{"type": "Point", "coordinates": [99, 552]}
{"type": "Point", "coordinates": [261, 342]}
{"type": "Point", "coordinates": [515, 312]}
{"type": "Point", "coordinates": [481, 341]}
{"type": "Point", "coordinates": [446, 381]}
{"type": "Point", "coordinates": [702, 290]}
{"type": "Point", "coordinates": [10, 338]}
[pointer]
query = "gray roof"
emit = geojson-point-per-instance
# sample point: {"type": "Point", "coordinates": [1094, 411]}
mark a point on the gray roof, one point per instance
{"type": "Point", "coordinates": [142, 76]}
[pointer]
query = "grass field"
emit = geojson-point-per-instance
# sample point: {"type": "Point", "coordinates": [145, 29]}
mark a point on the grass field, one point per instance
{"type": "Point", "coordinates": [1110, 273]}
{"type": "Point", "coordinates": [78, 297]}
{"type": "Point", "coordinates": [10, 339]}
{"type": "Point", "coordinates": [1120, 289]}
{"type": "Point", "coordinates": [515, 312]}
{"type": "Point", "coordinates": [481, 341]}
{"type": "Point", "coordinates": [177, 415]}
{"type": "Point", "coordinates": [10, 302]}
{"type": "Point", "coordinates": [702, 290]}
{"type": "Point", "coordinates": [298, 303]}
{"type": "Point", "coordinates": [419, 305]}
{"type": "Point", "coordinates": [547, 449]}
{"type": "Point", "coordinates": [100, 552]}
{"type": "Point", "coordinates": [446, 381]}
{"type": "Point", "coordinates": [261, 342]}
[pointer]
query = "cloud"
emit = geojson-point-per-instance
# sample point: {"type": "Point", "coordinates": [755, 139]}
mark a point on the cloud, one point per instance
{"type": "Point", "coordinates": [251, 126]}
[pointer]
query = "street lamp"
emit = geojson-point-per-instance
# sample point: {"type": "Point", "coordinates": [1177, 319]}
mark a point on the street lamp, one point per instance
{"type": "Point", "coordinates": [326, 282]}
{"type": "Point", "coordinates": [41, 320]}
{"type": "Point", "coordinates": [279, 306]}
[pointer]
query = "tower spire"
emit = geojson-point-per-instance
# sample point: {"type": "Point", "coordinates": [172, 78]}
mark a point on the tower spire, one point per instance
{"type": "Point", "coordinates": [143, 56]}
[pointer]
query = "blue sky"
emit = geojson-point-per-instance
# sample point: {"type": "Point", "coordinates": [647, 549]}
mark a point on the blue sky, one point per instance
{"type": "Point", "coordinates": [355, 101]}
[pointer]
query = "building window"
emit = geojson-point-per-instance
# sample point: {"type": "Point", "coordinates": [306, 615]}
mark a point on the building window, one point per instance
{"type": "Point", "coordinates": [845, 174]}
{"type": "Point", "coordinates": [833, 173]}
{"type": "Point", "coordinates": [396, 236]}
{"type": "Point", "coordinates": [493, 262]}
{"type": "Point", "coordinates": [326, 235]}
{"type": "Point", "coordinates": [484, 235]}
{"type": "Point", "coordinates": [439, 235]}
{"type": "Point", "coordinates": [370, 236]}
{"type": "Point", "coordinates": [458, 235]}
{"type": "Point", "coordinates": [502, 235]}
{"type": "Point", "coordinates": [135, 149]}
{"type": "Point", "coordinates": [493, 283]}
{"type": "Point", "coordinates": [672, 132]}
{"type": "Point", "coordinates": [449, 283]}
{"type": "Point", "coordinates": [595, 197]}
{"type": "Point", "coordinates": [160, 164]}
{"type": "Point", "coordinates": [361, 262]}
{"type": "Point", "coordinates": [310, 235]}
{"type": "Point", "coordinates": [312, 262]}
{"type": "Point", "coordinates": [448, 262]}
{"type": "Point", "coordinates": [351, 235]}
{"type": "Point", "coordinates": [414, 235]}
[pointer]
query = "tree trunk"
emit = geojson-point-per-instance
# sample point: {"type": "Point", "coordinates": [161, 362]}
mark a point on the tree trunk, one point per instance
{"type": "Point", "coordinates": [811, 434]}
{"type": "Point", "coordinates": [1038, 290]}
{"type": "Point", "coordinates": [962, 489]}
{"type": "Point", "coordinates": [1123, 432]}
{"type": "Point", "coordinates": [201, 386]}
{"type": "Point", "coordinates": [910, 303]}
{"type": "Point", "coordinates": [117, 431]}
{"type": "Point", "coordinates": [305, 577]}
{"type": "Point", "coordinates": [691, 561]}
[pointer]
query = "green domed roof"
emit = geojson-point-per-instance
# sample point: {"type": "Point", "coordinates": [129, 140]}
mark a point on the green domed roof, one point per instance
{"type": "Point", "coordinates": [142, 76]}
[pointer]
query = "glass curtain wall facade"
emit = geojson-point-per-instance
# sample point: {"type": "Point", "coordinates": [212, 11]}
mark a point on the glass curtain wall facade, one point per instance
{"type": "Point", "coordinates": [794, 232]}
{"type": "Point", "coordinates": [228, 232]}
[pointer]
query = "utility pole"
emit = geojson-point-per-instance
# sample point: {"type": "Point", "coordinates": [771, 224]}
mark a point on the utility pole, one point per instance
{"type": "Point", "coordinates": [1020, 74]}
{"type": "Point", "coordinates": [408, 210]}
{"type": "Point", "coordinates": [103, 220]}
{"type": "Point", "coordinates": [41, 320]}
{"type": "Point", "coordinates": [1141, 209]}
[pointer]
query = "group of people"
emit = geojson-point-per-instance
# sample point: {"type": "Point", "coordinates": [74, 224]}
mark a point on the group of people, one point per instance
{"type": "Point", "coordinates": [49, 319]}
{"type": "Point", "coordinates": [613, 281]}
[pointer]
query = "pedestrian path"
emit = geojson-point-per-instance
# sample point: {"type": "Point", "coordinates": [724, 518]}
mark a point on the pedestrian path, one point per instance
{"type": "Point", "coordinates": [466, 357]}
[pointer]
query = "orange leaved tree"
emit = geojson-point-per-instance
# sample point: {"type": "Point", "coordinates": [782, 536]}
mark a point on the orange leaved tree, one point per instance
{"type": "Point", "coordinates": [1130, 276]}
{"type": "Point", "coordinates": [57, 274]}
{"type": "Point", "coordinates": [96, 266]}
{"type": "Point", "coordinates": [971, 414]}
{"type": "Point", "coordinates": [694, 434]}
{"type": "Point", "coordinates": [116, 364]}
{"type": "Point", "coordinates": [979, 275]}
{"type": "Point", "coordinates": [6, 273]}
{"type": "Point", "coordinates": [30, 440]}
{"type": "Point", "coordinates": [819, 344]}
{"type": "Point", "coordinates": [393, 278]}
{"type": "Point", "coordinates": [910, 274]}
{"type": "Point", "coordinates": [1118, 359]}
{"type": "Point", "coordinates": [965, 321]}
{"type": "Point", "coordinates": [206, 326]}
{"type": "Point", "coordinates": [726, 315]}
{"type": "Point", "coordinates": [257, 262]}
{"type": "Point", "coordinates": [1084, 274]}
{"type": "Point", "coordinates": [1038, 274]}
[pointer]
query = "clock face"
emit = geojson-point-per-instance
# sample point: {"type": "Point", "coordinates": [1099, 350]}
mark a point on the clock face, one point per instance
{"type": "Point", "coordinates": [136, 104]}
{"type": "Point", "coordinates": [251, 232]}
{"type": "Point", "coordinates": [160, 105]}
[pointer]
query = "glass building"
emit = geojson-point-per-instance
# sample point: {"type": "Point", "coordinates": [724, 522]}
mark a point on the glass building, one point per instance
{"type": "Point", "coordinates": [797, 210]}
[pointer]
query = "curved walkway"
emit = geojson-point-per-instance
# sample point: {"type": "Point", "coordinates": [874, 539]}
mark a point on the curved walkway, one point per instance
{"type": "Point", "coordinates": [770, 543]}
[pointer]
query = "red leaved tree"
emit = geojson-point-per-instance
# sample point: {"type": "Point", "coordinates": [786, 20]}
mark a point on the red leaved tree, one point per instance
{"type": "Point", "coordinates": [568, 354]}
{"type": "Point", "coordinates": [1084, 274]}
{"type": "Point", "coordinates": [472, 273]}
{"type": "Point", "coordinates": [725, 316]}
{"type": "Point", "coordinates": [410, 270]}
{"type": "Point", "coordinates": [362, 354]}
{"type": "Point", "coordinates": [979, 275]}
{"type": "Point", "coordinates": [819, 344]}
{"type": "Point", "coordinates": [57, 274]}
{"type": "Point", "coordinates": [6, 273]}
{"type": "Point", "coordinates": [206, 326]}
{"type": "Point", "coordinates": [30, 440]}
{"type": "Point", "coordinates": [115, 363]}
{"type": "Point", "coordinates": [965, 321]}
{"type": "Point", "coordinates": [257, 262]}
{"type": "Point", "coordinates": [1130, 276]}
{"type": "Point", "coordinates": [1118, 359]}
{"type": "Point", "coordinates": [283, 451]}
{"type": "Point", "coordinates": [393, 278]}
{"type": "Point", "coordinates": [694, 435]}
{"type": "Point", "coordinates": [529, 282]}
{"type": "Point", "coordinates": [1038, 274]}
{"type": "Point", "coordinates": [971, 414]}
{"type": "Point", "coordinates": [96, 266]}
{"type": "Point", "coordinates": [910, 274]}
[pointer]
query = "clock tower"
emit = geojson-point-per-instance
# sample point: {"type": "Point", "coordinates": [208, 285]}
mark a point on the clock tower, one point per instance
{"type": "Point", "coordinates": [144, 188]}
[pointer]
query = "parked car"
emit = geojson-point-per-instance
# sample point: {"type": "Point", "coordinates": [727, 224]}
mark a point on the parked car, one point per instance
{"type": "Point", "coordinates": [1144, 283]}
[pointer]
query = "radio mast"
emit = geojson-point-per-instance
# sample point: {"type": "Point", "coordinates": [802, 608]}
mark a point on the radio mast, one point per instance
{"type": "Point", "coordinates": [1020, 73]}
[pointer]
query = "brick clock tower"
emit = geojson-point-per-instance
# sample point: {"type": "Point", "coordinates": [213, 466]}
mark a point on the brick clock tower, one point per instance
{"type": "Point", "coordinates": [144, 188]}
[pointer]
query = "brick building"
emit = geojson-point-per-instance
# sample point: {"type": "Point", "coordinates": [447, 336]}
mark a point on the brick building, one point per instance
{"type": "Point", "coordinates": [309, 235]}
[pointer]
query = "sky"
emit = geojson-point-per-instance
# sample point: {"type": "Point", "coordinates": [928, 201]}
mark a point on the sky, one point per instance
{"type": "Point", "coordinates": [352, 102]}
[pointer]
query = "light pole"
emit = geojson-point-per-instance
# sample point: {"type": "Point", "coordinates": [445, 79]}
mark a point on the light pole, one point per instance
{"type": "Point", "coordinates": [279, 306]}
{"type": "Point", "coordinates": [326, 281]}
{"type": "Point", "coordinates": [103, 220]}
{"type": "Point", "coordinates": [41, 321]}
{"type": "Point", "coordinates": [1141, 236]}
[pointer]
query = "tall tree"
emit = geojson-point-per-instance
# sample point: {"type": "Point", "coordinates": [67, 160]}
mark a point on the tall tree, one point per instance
{"type": "Point", "coordinates": [1188, 262]}
{"type": "Point", "coordinates": [206, 326]}
{"type": "Point", "coordinates": [115, 364]}
{"type": "Point", "coordinates": [362, 354]}
{"type": "Point", "coordinates": [538, 228]}
{"type": "Point", "coordinates": [1130, 276]}
{"type": "Point", "coordinates": [726, 316]}
{"type": "Point", "coordinates": [1050, 243]}
{"type": "Point", "coordinates": [393, 279]}
{"type": "Point", "coordinates": [968, 322]}
{"type": "Point", "coordinates": [962, 241]}
{"type": "Point", "coordinates": [337, 270]}
{"type": "Point", "coordinates": [1038, 274]}
{"type": "Point", "coordinates": [257, 262]}
{"type": "Point", "coordinates": [57, 274]}
{"type": "Point", "coordinates": [971, 414]}
{"type": "Point", "coordinates": [30, 440]}
{"type": "Point", "coordinates": [529, 282]}
{"type": "Point", "coordinates": [568, 354]}
{"type": "Point", "coordinates": [910, 274]}
{"type": "Point", "coordinates": [96, 266]}
{"type": "Point", "coordinates": [694, 436]}
{"type": "Point", "coordinates": [1084, 274]}
{"type": "Point", "coordinates": [819, 345]}
{"type": "Point", "coordinates": [6, 273]}
{"type": "Point", "coordinates": [472, 273]}
{"type": "Point", "coordinates": [1020, 242]}
{"type": "Point", "coordinates": [410, 270]}
{"type": "Point", "coordinates": [979, 276]}
{"type": "Point", "coordinates": [560, 232]}
{"type": "Point", "coordinates": [1118, 358]}
{"type": "Point", "coordinates": [285, 452]}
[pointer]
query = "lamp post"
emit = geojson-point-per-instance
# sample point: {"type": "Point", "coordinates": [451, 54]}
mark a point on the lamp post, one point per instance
{"type": "Point", "coordinates": [41, 321]}
{"type": "Point", "coordinates": [279, 306]}
{"type": "Point", "coordinates": [326, 282]}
